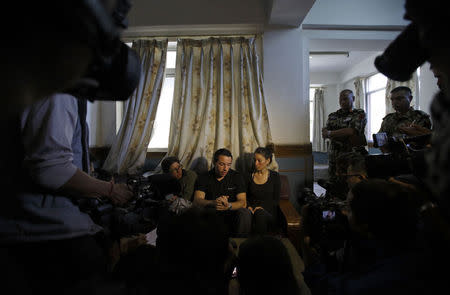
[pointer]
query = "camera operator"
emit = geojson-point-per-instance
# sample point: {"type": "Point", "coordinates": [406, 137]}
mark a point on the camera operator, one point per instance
{"type": "Point", "coordinates": [45, 240]}
{"type": "Point", "coordinates": [405, 121]}
{"type": "Point", "coordinates": [42, 224]}
{"type": "Point", "coordinates": [381, 256]}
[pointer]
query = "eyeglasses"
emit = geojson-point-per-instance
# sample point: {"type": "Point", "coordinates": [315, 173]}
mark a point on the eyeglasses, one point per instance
{"type": "Point", "coordinates": [176, 169]}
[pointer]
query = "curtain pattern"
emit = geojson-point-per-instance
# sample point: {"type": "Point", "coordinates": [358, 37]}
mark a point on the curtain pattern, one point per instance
{"type": "Point", "coordinates": [360, 99]}
{"type": "Point", "coordinates": [360, 96]}
{"type": "Point", "coordinates": [391, 84]}
{"type": "Point", "coordinates": [218, 102]}
{"type": "Point", "coordinates": [319, 121]}
{"type": "Point", "coordinates": [129, 149]}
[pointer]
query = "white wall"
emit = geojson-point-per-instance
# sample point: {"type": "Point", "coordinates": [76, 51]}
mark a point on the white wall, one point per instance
{"type": "Point", "coordinates": [286, 85]}
{"type": "Point", "coordinates": [318, 79]}
{"type": "Point", "coordinates": [363, 68]}
{"type": "Point", "coordinates": [357, 12]}
{"type": "Point", "coordinates": [331, 99]}
{"type": "Point", "coordinates": [427, 87]}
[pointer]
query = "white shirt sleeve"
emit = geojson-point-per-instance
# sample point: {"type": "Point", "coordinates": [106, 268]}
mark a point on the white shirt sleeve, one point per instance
{"type": "Point", "coordinates": [48, 127]}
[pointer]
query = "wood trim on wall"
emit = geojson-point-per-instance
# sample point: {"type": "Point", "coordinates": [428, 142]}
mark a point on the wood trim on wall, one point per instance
{"type": "Point", "coordinates": [99, 153]}
{"type": "Point", "coordinates": [155, 154]}
{"type": "Point", "coordinates": [294, 150]}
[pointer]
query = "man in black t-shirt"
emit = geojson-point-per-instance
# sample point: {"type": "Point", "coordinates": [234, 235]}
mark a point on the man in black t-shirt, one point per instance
{"type": "Point", "coordinates": [223, 189]}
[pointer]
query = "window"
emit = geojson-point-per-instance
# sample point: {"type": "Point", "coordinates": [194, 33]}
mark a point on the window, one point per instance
{"type": "Point", "coordinates": [311, 113]}
{"type": "Point", "coordinates": [159, 140]}
{"type": "Point", "coordinates": [376, 106]}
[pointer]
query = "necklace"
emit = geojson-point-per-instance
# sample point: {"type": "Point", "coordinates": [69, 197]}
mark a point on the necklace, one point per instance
{"type": "Point", "coordinates": [263, 176]}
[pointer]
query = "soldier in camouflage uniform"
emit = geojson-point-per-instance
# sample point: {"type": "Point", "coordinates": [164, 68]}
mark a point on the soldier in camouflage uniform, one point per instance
{"type": "Point", "coordinates": [345, 129]}
{"type": "Point", "coordinates": [397, 124]}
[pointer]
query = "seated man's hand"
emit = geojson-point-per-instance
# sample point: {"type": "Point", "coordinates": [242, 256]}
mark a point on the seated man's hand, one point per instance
{"type": "Point", "coordinates": [222, 203]}
{"type": "Point", "coordinates": [120, 194]}
{"type": "Point", "coordinates": [414, 130]}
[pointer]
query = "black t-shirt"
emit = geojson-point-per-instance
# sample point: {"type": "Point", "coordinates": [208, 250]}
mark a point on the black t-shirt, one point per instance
{"type": "Point", "coordinates": [266, 195]}
{"type": "Point", "coordinates": [231, 185]}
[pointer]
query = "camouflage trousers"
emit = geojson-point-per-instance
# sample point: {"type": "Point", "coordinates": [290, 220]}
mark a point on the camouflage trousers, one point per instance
{"type": "Point", "coordinates": [337, 184]}
{"type": "Point", "coordinates": [334, 154]}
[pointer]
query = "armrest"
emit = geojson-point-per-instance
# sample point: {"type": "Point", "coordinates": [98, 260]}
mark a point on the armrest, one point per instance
{"type": "Point", "coordinates": [290, 213]}
{"type": "Point", "coordinates": [293, 223]}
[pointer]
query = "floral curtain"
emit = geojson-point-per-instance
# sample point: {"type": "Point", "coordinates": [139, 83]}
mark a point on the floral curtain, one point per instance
{"type": "Point", "coordinates": [360, 96]}
{"type": "Point", "coordinates": [391, 84]}
{"type": "Point", "coordinates": [360, 99]}
{"type": "Point", "coordinates": [218, 102]}
{"type": "Point", "coordinates": [318, 144]}
{"type": "Point", "coordinates": [129, 149]}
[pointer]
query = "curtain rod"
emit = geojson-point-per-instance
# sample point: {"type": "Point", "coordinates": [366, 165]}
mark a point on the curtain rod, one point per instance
{"type": "Point", "coordinates": [175, 37]}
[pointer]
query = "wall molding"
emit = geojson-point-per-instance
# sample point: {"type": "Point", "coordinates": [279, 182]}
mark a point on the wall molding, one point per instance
{"type": "Point", "coordinates": [99, 152]}
{"type": "Point", "coordinates": [193, 30]}
{"type": "Point", "coordinates": [293, 150]}
{"type": "Point", "coordinates": [385, 28]}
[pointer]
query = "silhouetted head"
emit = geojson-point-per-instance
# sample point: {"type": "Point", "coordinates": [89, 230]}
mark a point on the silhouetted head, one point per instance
{"type": "Point", "coordinates": [192, 251]}
{"type": "Point", "coordinates": [264, 267]}
{"type": "Point", "coordinates": [383, 211]}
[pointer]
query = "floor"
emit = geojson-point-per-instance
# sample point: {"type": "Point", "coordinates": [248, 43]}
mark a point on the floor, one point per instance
{"type": "Point", "coordinates": [320, 171]}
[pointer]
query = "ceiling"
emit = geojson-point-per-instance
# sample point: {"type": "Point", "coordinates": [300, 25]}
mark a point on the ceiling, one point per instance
{"type": "Point", "coordinates": [358, 50]}
{"type": "Point", "coordinates": [199, 16]}
{"type": "Point", "coordinates": [146, 13]}
{"type": "Point", "coordinates": [337, 63]}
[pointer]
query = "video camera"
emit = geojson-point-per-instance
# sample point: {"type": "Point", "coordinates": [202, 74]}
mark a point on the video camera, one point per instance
{"type": "Point", "coordinates": [140, 215]}
{"type": "Point", "coordinates": [406, 156]}
{"type": "Point", "coordinates": [324, 221]}
{"type": "Point", "coordinates": [115, 71]}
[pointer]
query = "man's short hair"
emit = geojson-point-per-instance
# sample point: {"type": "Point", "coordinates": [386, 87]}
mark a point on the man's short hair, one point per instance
{"type": "Point", "coordinates": [167, 162]}
{"type": "Point", "coordinates": [221, 152]}
{"type": "Point", "coordinates": [402, 88]}
{"type": "Point", "coordinates": [346, 91]}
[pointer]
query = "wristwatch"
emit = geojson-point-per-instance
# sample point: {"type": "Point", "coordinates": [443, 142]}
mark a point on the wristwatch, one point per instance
{"type": "Point", "coordinates": [230, 206]}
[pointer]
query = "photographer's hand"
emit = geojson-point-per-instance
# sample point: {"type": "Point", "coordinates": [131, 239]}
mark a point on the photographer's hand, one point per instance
{"type": "Point", "coordinates": [84, 185]}
{"type": "Point", "coordinates": [120, 194]}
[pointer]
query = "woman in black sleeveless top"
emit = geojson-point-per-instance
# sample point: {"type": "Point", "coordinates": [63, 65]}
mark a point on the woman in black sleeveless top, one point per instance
{"type": "Point", "coordinates": [263, 192]}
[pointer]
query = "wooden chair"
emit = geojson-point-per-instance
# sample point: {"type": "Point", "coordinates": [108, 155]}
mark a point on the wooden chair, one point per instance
{"type": "Point", "coordinates": [289, 218]}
